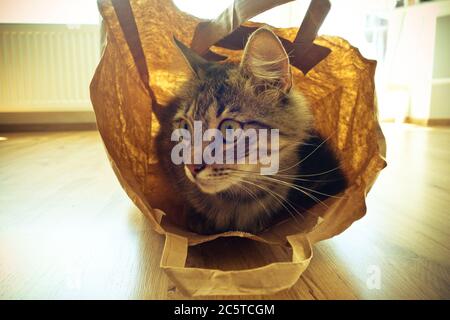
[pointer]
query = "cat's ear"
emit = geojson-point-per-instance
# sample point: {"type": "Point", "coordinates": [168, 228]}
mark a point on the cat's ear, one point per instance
{"type": "Point", "coordinates": [195, 62]}
{"type": "Point", "coordinates": [265, 58]}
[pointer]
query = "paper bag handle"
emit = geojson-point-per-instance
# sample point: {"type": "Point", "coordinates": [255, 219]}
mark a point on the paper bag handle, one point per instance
{"type": "Point", "coordinates": [227, 32]}
{"type": "Point", "coordinates": [240, 11]}
{"type": "Point", "coordinates": [267, 279]}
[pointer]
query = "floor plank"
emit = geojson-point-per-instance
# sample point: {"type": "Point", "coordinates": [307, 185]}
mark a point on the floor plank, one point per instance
{"type": "Point", "coordinates": [68, 230]}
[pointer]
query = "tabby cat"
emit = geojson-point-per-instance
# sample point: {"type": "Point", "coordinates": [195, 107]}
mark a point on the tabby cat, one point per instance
{"type": "Point", "coordinates": [257, 93]}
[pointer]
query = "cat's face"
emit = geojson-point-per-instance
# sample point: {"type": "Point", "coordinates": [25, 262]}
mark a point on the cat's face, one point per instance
{"type": "Point", "coordinates": [248, 97]}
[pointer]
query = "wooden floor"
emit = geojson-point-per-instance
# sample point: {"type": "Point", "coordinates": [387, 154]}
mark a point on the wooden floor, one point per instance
{"type": "Point", "coordinates": [67, 230]}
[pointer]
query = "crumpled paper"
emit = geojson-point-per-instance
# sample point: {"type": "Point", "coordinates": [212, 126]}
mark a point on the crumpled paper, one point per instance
{"type": "Point", "coordinates": [341, 92]}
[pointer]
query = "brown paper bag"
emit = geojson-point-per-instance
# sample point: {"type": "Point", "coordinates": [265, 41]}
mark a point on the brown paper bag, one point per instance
{"type": "Point", "coordinates": [141, 69]}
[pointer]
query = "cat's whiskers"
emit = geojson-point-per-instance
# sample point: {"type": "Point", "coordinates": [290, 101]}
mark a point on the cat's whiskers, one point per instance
{"type": "Point", "coordinates": [317, 200]}
{"type": "Point", "coordinates": [253, 196]}
{"type": "Point", "coordinates": [277, 196]}
{"type": "Point", "coordinates": [261, 178]}
{"type": "Point", "coordinates": [272, 178]}
{"type": "Point", "coordinates": [310, 175]}
{"type": "Point", "coordinates": [268, 191]}
{"type": "Point", "coordinates": [303, 187]}
{"type": "Point", "coordinates": [312, 152]}
{"type": "Point", "coordinates": [297, 176]}
{"type": "Point", "coordinates": [281, 200]}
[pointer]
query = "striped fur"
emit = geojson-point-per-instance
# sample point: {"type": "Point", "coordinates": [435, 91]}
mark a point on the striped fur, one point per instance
{"type": "Point", "coordinates": [235, 196]}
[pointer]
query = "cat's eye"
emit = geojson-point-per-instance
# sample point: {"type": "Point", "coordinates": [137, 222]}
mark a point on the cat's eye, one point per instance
{"type": "Point", "coordinates": [231, 130]}
{"type": "Point", "coordinates": [183, 124]}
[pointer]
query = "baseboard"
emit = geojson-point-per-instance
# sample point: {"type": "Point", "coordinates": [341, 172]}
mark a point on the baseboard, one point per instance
{"type": "Point", "coordinates": [47, 121]}
{"type": "Point", "coordinates": [444, 122]}
{"type": "Point", "coordinates": [417, 121]}
{"type": "Point", "coordinates": [47, 127]}
{"type": "Point", "coordinates": [439, 122]}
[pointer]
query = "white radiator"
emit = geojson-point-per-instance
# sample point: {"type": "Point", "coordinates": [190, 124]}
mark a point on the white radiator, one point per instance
{"type": "Point", "coordinates": [47, 67]}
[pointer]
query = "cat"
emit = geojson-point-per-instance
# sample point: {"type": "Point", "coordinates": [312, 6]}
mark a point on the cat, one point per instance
{"type": "Point", "coordinates": [256, 93]}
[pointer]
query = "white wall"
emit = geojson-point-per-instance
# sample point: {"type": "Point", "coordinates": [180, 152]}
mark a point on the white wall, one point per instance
{"type": "Point", "coordinates": [408, 86]}
{"type": "Point", "coordinates": [416, 47]}
{"type": "Point", "coordinates": [49, 11]}
{"type": "Point", "coordinates": [45, 67]}
{"type": "Point", "coordinates": [440, 86]}
{"type": "Point", "coordinates": [48, 52]}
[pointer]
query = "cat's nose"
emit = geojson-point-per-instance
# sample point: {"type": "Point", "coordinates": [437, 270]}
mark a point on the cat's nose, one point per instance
{"type": "Point", "coordinates": [196, 168]}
